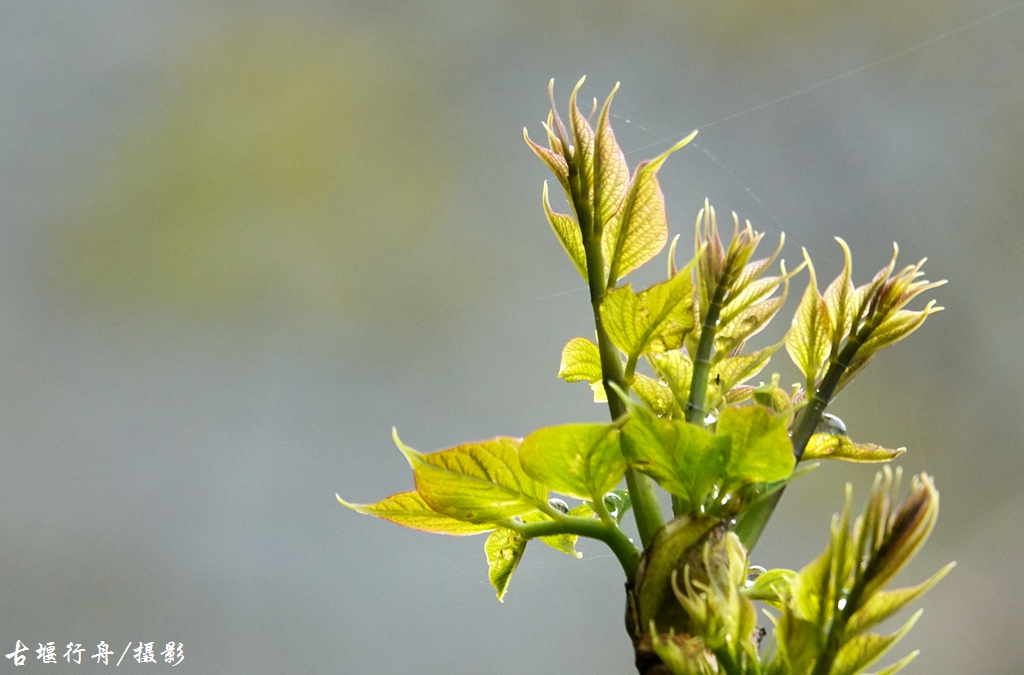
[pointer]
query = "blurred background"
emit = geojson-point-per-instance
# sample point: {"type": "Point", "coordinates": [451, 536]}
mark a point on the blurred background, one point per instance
{"type": "Point", "coordinates": [240, 241]}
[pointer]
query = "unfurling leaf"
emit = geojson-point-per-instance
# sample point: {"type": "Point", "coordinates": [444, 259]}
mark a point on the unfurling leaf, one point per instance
{"type": "Point", "coordinates": [655, 320]}
{"type": "Point", "coordinates": [862, 651]}
{"type": "Point", "coordinates": [476, 482]}
{"type": "Point", "coordinates": [583, 143]}
{"type": "Point", "coordinates": [841, 300]}
{"type": "Point", "coordinates": [579, 460]}
{"type": "Point", "coordinates": [899, 665]}
{"type": "Point", "coordinates": [884, 604]}
{"type": "Point", "coordinates": [554, 161]}
{"type": "Point", "coordinates": [746, 324]}
{"type": "Point", "coordinates": [640, 232]}
{"type": "Point", "coordinates": [504, 549]}
{"type": "Point", "coordinates": [611, 172]}
{"type": "Point", "coordinates": [676, 369]}
{"type": "Point", "coordinates": [409, 510]}
{"type": "Point", "coordinates": [735, 370]}
{"type": "Point", "coordinates": [895, 328]}
{"type": "Point", "coordinates": [656, 395]}
{"type": "Point", "coordinates": [828, 446]}
{"type": "Point", "coordinates": [809, 340]}
{"type": "Point", "coordinates": [772, 587]}
{"type": "Point", "coordinates": [568, 232]}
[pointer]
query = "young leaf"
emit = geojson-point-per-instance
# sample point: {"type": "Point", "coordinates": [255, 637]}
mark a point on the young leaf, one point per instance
{"type": "Point", "coordinates": [642, 230]}
{"type": "Point", "coordinates": [504, 549]}
{"type": "Point", "coordinates": [840, 299]}
{"type": "Point", "coordinates": [611, 172]}
{"type": "Point", "coordinates": [884, 604]}
{"type": "Point", "coordinates": [899, 665]}
{"type": "Point", "coordinates": [566, 543]}
{"type": "Point", "coordinates": [409, 510]}
{"type": "Point", "coordinates": [683, 458]}
{"type": "Point", "coordinates": [772, 587]}
{"type": "Point", "coordinates": [568, 232]}
{"type": "Point", "coordinates": [761, 449]}
{"type": "Point", "coordinates": [583, 140]}
{"type": "Point", "coordinates": [554, 161]}
{"type": "Point", "coordinates": [676, 369]}
{"type": "Point", "coordinates": [862, 651]}
{"type": "Point", "coordinates": [735, 370]}
{"type": "Point", "coordinates": [656, 395]}
{"type": "Point", "coordinates": [810, 338]}
{"type": "Point", "coordinates": [895, 328]}
{"type": "Point", "coordinates": [656, 320]}
{"type": "Point", "coordinates": [476, 482]}
{"type": "Point", "coordinates": [579, 460]}
{"type": "Point", "coordinates": [828, 446]}
{"type": "Point", "coordinates": [746, 324]}
{"type": "Point", "coordinates": [581, 361]}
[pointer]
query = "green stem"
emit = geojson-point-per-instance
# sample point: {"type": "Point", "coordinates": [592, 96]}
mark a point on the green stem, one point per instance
{"type": "Point", "coordinates": [641, 491]}
{"type": "Point", "coordinates": [696, 407]}
{"type": "Point", "coordinates": [751, 524]}
{"type": "Point", "coordinates": [615, 538]}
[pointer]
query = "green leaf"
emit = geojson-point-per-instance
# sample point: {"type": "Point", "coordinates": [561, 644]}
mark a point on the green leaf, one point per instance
{"type": "Point", "coordinates": [554, 161]}
{"type": "Point", "coordinates": [583, 143]}
{"type": "Point", "coordinates": [566, 543]}
{"type": "Point", "coordinates": [735, 370]}
{"type": "Point", "coordinates": [899, 665]}
{"type": "Point", "coordinates": [761, 449]}
{"type": "Point", "coordinates": [409, 510]}
{"type": "Point", "coordinates": [746, 324]}
{"type": "Point", "coordinates": [810, 592]}
{"type": "Point", "coordinates": [809, 340]}
{"type": "Point", "coordinates": [895, 328]}
{"type": "Point", "coordinates": [656, 320]}
{"type": "Point", "coordinates": [862, 651]}
{"type": "Point", "coordinates": [504, 549]}
{"type": "Point", "coordinates": [683, 458]}
{"type": "Point", "coordinates": [655, 394]}
{"type": "Point", "coordinates": [884, 604]}
{"type": "Point", "coordinates": [841, 301]}
{"type": "Point", "coordinates": [476, 482]}
{"type": "Point", "coordinates": [828, 446]}
{"type": "Point", "coordinates": [611, 172]}
{"type": "Point", "coordinates": [642, 231]}
{"type": "Point", "coordinates": [773, 587]}
{"type": "Point", "coordinates": [568, 232]}
{"type": "Point", "coordinates": [581, 361]}
{"type": "Point", "coordinates": [676, 369]}
{"type": "Point", "coordinates": [579, 460]}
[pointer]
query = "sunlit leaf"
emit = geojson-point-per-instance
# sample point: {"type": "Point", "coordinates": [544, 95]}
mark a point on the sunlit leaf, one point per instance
{"type": "Point", "coordinates": [611, 171]}
{"type": "Point", "coordinates": [581, 361]}
{"type": "Point", "coordinates": [642, 229]}
{"type": "Point", "coordinates": [841, 300]}
{"type": "Point", "coordinates": [655, 320]}
{"type": "Point", "coordinates": [745, 325]}
{"type": "Point", "coordinates": [568, 232]}
{"type": "Point", "coordinates": [655, 394]}
{"type": "Point", "coordinates": [683, 458]}
{"type": "Point", "coordinates": [862, 651]}
{"type": "Point", "coordinates": [504, 549]}
{"type": "Point", "coordinates": [810, 337]}
{"type": "Point", "coordinates": [676, 369]}
{"type": "Point", "coordinates": [476, 482]}
{"type": "Point", "coordinates": [554, 161]}
{"type": "Point", "coordinates": [409, 510]}
{"type": "Point", "coordinates": [899, 665]}
{"type": "Point", "coordinates": [884, 604]}
{"type": "Point", "coordinates": [896, 327]}
{"type": "Point", "coordinates": [579, 460]}
{"type": "Point", "coordinates": [828, 446]}
{"type": "Point", "coordinates": [761, 449]}
{"type": "Point", "coordinates": [811, 588]}
{"type": "Point", "coordinates": [583, 143]}
{"type": "Point", "coordinates": [735, 370]}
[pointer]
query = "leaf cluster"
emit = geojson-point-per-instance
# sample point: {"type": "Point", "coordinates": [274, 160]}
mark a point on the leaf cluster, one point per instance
{"type": "Point", "coordinates": [673, 365]}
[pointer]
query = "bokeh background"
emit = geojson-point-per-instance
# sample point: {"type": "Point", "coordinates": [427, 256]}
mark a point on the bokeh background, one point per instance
{"type": "Point", "coordinates": [240, 241]}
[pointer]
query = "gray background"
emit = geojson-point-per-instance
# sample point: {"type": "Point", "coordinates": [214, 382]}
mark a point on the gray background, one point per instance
{"type": "Point", "coordinates": [240, 241]}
